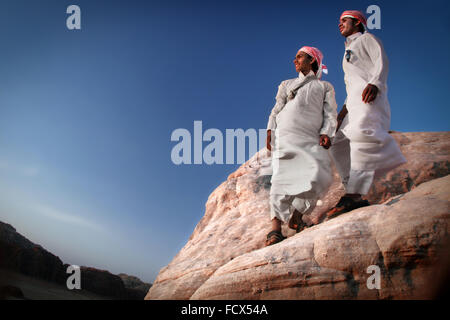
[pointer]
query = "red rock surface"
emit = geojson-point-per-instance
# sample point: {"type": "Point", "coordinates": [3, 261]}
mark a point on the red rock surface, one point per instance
{"type": "Point", "coordinates": [222, 258]}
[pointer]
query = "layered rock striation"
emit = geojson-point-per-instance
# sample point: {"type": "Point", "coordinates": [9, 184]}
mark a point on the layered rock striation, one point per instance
{"type": "Point", "coordinates": [403, 234]}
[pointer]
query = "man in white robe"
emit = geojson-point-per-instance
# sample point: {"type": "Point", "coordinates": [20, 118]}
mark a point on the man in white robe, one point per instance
{"type": "Point", "coordinates": [362, 148]}
{"type": "Point", "coordinates": [299, 132]}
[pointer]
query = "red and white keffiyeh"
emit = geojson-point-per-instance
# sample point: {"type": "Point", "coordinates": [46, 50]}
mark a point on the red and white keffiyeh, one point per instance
{"type": "Point", "coordinates": [355, 14]}
{"type": "Point", "coordinates": [318, 56]}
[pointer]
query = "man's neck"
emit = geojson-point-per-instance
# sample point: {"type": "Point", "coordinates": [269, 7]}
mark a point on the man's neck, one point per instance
{"type": "Point", "coordinates": [349, 39]}
{"type": "Point", "coordinates": [352, 35]}
{"type": "Point", "coordinates": [305, 73]}
{"type": "Point", "coordinates": [302, 75]}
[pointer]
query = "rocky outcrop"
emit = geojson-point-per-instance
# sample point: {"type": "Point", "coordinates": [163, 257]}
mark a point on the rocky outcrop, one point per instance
{"type": "Point", "coordinates": [11, 292]}
{"type": "Point", "coordinates": [403, 237]}
{"type": "Point", "coordinates": [225, 257]}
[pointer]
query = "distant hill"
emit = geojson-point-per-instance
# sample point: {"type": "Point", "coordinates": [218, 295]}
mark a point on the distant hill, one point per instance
{"type": "Point", "coordinates": [46, 272]}
{"type": "Point", "coordinates": [134, 284]}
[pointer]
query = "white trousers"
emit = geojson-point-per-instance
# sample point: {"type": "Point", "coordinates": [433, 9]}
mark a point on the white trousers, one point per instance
{"type": "Point", "coordinates": [354, 181]}
{"type": "Point", "coordinates": [358, 181]}
{"type": "Point", "coordinates": [283, 206]}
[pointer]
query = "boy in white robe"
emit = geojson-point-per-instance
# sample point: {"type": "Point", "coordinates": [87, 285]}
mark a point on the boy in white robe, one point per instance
{"type": "Point", "coordinates": [299, 132]}
{"type": "Point", "coordinates": [362, 148]}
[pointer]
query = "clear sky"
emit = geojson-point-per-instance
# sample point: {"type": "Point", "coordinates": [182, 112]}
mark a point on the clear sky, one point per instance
{"type": "Point", "coordinates": [86, 115]}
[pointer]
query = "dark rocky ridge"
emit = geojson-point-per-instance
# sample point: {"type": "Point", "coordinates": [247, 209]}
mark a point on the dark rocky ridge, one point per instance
{"type": "Point", "coordinates": [19, 254]}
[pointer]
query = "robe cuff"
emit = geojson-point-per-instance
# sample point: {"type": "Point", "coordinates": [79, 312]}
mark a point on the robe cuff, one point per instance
{"type": "Point", "coordinates": [272, 124]}
{"type": "Point", "coordinates": [378, 84]}
{"type": "Point", "coordinates": [328, 131]}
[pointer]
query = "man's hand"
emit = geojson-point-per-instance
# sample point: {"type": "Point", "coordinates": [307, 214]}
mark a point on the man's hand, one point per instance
{"type": "Point", "coordinates": [325, 141]}
{"type": "Point", "coordinates": [268, 140]}
{"type": "Point", "coordinates": [370, 93]}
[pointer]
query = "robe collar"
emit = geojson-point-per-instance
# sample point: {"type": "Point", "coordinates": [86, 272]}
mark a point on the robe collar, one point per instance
{"type": "Point", "coordinates": [302, 77]}
{"type": "Point", "coordinates": [299, 82]}
{"type": "Point", "coordinates": [351, 38]}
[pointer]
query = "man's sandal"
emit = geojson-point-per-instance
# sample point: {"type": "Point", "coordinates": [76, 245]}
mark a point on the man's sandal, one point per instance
{"type": "Point", "coordinates": [293, 221]}
{"type": "Point", "coordinates": [346, 204]}
{"type": "Point", "coordinates": [301, 226]}
{"type": "Point", "coordinates": [274, 237]}
{"type": "Point", "coordinates": [296, 222]}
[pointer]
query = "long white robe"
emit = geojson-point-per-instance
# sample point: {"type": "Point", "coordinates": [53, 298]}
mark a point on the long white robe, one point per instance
{"type": "Point", "coordinates": [370, 146]}
{"type": "Point", "coordinates": [301, 167]}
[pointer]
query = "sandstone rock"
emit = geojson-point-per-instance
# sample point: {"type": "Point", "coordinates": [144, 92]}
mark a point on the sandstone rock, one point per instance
{"type": "Point", "coordinates": [403, 237]}
{"type": "Point", "coordinates": [225, 243]}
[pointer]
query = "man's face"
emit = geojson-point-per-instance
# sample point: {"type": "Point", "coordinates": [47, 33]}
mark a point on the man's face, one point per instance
{"type": "Point", "coordinates": [302, 62]}
{"type": "Point", "coordinates": [348, 27]}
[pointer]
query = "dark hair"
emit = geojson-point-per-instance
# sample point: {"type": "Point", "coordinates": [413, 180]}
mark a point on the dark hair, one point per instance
{"type": "Point", "coordinates": [314, 65]}
{"type": "Point", "coordinates": [360, 26]}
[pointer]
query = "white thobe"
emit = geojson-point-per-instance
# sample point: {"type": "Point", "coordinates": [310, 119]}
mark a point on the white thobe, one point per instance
{"type": "Point", "coordinates": [363, 142]}
{"type": "Point", "coordinates": [301, 167]}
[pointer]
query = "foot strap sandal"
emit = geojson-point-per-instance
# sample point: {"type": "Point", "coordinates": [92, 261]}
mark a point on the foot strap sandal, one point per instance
{"type": "Point", "coordinates": [274, 237]}
{"type": "Point", "coordinates": [346, 204]}
{"type": "Point", "coordinates": [301, 226]}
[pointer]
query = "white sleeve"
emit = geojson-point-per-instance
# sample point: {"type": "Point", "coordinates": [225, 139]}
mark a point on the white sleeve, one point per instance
{"type": "Point", "coordinates": [379, 72]}
{"type": "Point", "coordinates": [279, 104]}
{"type": "Point", "coordinates": [329, 111]}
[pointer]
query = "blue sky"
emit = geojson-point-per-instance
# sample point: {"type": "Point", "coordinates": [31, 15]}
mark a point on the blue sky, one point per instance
{"type": "Point", "coordinates": [86, 116]}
